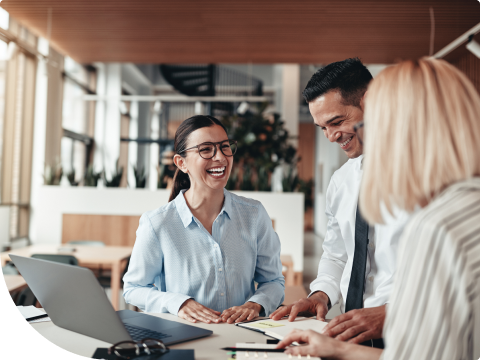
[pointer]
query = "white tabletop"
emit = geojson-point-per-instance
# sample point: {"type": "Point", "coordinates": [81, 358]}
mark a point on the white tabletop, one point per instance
{"type": "Point", "coordinates": [205, 348]}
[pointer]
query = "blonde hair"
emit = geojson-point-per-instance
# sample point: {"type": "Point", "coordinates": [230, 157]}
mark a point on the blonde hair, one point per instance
{"type": "Point", "coordinates": [422, 133]}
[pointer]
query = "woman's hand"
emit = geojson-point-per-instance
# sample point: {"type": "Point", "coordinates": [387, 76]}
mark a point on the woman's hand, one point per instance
{"type": "Point", "coordinates": [193, 312]}
{"type": "Point", "coordinates": [316, 344]}
{"type": "Point", "coordinates": [247, 311]}
{"type": "Point", "coordinates": [326, 347]}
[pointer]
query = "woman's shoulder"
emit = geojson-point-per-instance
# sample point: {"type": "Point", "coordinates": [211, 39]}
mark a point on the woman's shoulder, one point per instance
{"type": "Point", "coordinates": [161, 213]}
{"type": "Point", "coordinates": [244, 201]}
{"type": "Point", "coordinates": [449, 215]}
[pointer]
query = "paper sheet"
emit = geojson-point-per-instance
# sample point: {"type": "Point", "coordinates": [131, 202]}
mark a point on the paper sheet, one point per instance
{"type": "Point", "coordinates": [284, 326]}
{"type": "Point", "coordinates": [31, 311]}
{"type": "Point", "coordinates": [266, 325]}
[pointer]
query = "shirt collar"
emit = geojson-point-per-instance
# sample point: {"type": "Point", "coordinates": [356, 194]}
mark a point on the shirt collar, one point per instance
{"type": "Point", "coordinates": [183, 209]}
{"type": "Point", "coordinates": [227, 204]}
{"type": "Point", "coordinates": [187, 216]}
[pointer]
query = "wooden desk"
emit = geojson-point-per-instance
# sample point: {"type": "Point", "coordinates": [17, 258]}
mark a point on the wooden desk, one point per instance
{"type": "Point", "coordinates": [287, 261]}
{"type": "Point", "coordinates": [114, 257]}
{"type": "Point", "coordinates": [15, 283]}
{"type": "Point", "coordinates": [205, 348]}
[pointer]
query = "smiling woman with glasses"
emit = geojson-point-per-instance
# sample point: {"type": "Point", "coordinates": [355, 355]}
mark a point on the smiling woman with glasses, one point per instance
{"type": "Point", "coordinates": [200, 255]}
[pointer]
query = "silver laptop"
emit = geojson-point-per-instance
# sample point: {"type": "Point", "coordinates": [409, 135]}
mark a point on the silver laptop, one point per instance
{"type": "Point", "coordinates": [74, 300]}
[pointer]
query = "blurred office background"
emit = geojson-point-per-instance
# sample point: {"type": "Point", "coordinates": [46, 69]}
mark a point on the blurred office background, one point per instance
{"type": "Point", "coordinates": [91, 93]}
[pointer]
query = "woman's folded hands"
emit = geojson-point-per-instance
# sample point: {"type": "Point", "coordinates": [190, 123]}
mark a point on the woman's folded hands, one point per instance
{"type": "Point", "coordinates": [194, 311]}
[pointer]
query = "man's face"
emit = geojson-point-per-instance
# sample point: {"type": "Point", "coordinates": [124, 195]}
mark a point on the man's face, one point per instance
{"type": "Point", "coordinates": [337, 121]}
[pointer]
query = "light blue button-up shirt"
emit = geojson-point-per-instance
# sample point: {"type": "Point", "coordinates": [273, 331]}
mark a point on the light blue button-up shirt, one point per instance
{"type": "Point", "coordinates": [175, 258]}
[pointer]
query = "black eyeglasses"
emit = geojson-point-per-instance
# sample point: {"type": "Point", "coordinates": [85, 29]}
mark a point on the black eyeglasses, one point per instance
{"type": "Point", "coordinates": [358, 128]}
{"type": "Point", "coordinates": [132, 349]}
{"type": "Point", "coordinates": [208, 150]}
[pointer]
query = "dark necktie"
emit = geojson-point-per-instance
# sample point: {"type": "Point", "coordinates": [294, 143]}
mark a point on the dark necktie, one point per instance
{"type": "Point", "coordinates": [357, 277]}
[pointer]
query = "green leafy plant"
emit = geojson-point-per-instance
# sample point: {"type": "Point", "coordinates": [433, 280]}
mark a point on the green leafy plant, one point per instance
{"type": "Point", "coordinates": [91, 177]}
{"type": "Point", "coordinates": [263, 144]}
{"type": "Point", "coordinates": [116, 177]}
{"type": "Point", "coordinates": [307, 188]}
{"type": "Point", "coordinates": [263, 180]}
{"type": "Point", "coordinates": [232, 180]}
{"type": "Point", "coordinates": [247, 183]}
{"type": "Point", "coordinates": [71, 178]}
{"type": "Point", "coordinates": [53, 174]}
{"type": "Point", "coordinates": [140, 177]}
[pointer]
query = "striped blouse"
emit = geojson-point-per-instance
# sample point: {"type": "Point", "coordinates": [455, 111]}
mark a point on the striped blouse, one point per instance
{"type": "Point", "coordinates": [435, 306]}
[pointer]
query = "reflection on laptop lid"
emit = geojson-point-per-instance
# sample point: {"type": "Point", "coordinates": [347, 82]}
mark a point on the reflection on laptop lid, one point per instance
{"type": "Point", "coordinates": [74, 300]}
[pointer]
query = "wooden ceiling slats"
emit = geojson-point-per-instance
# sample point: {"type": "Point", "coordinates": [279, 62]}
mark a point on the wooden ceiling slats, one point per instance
{"type": "Point", "coordinates": [262, 31]}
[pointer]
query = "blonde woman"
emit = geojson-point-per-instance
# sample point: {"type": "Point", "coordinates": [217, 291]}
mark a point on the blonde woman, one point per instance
{"type": "Point", "coordinates": [422, 148]}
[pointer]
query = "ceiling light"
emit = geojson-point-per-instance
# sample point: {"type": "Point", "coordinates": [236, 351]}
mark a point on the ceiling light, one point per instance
{"type": "Point", "coordinates": [473, 46]}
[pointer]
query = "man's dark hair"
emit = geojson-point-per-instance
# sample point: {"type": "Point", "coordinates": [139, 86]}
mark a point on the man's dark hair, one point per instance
{"type": "Point", "coordinates": [349, 76]}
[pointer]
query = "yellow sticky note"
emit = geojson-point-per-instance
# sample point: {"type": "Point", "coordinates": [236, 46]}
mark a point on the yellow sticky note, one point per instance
{"type": "Point", "coordinates": [265, 325]}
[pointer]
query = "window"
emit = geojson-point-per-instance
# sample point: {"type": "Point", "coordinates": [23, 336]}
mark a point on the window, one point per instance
{"type": "Point", "coordinates": [3, 74]}
{"type": "Point", "coordinates": [77, 119]}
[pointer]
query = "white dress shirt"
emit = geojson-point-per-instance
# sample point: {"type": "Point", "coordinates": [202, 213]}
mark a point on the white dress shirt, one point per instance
{"type": "Point", "coordinates": [335, 265]}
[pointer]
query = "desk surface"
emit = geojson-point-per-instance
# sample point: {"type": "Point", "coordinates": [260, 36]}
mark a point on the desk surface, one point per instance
{"type": "Point", "coordinates": [205, 349]}
{"type": "Point", "coordinates": [15, 282]}
{"type": "Point", "coordinates": [84, 254]}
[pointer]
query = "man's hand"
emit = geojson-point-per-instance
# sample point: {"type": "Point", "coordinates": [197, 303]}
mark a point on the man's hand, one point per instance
{"type": "Point", "coordinates": [247, 311]}
{"type": "Point", "coordinates": [357, 326]}
{"type": "Point", "coordinates": [193, 312]}
{"type": "Point", "coordinates": [315, 305]}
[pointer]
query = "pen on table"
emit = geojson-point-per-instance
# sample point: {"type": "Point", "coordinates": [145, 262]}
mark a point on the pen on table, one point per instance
{"type": "Point", "coordinates": [37, 317]}
{"type": "Point", "coordinates": [250, 349]}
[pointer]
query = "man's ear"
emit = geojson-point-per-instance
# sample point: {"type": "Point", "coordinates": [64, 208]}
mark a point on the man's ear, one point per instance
{"type": "Point", "coordinates": [362, 101]}
{"type": "Point", "coordinates": [180, 163]}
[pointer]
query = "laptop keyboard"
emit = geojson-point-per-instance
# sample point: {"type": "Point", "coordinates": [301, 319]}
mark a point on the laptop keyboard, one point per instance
{"type": "Point", "coordinates": [138, 334]}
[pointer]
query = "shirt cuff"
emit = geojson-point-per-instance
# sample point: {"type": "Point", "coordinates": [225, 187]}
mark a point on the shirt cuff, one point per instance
{"type": "Point", "coordinates": [258, 299]}
{"type": "Point", "coordinates": [176, 302]}
{"type": "Point", "coordinates": [328, 289]}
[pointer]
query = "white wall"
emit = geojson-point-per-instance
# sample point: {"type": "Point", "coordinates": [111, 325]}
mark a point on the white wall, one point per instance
{"type": "Point", "coordinates": [53, 201]}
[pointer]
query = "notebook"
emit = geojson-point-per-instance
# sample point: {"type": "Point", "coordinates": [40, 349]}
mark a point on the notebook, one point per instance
{"type": "Point", "coordinates": [279, 329]}
{"type": "Point", "coordinates": [241, 355]}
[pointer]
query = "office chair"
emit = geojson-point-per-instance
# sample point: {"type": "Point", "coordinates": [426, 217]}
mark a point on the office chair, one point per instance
{"type": "Point", "coordinates": [26, 298]}
{"type": "Point", "coordinates": [64, 259]}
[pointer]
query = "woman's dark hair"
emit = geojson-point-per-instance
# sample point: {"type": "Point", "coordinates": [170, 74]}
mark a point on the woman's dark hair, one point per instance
{"type": "Point", "coordinates": [181, 180]}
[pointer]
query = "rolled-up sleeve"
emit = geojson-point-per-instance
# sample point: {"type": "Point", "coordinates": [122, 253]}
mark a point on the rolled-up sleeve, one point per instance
{"type": "Point", "coordinates": [268, 271]}
{"type": "Point", "coordinates": [145, 274]}
{"type": "Point", "coordinates": [334, 258]}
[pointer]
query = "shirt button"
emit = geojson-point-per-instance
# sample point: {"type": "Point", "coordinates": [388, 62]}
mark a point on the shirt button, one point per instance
{"type": "Point", "coordinates": [219, 269]}
{"type": "Point", "coordinates": [370, 278]}
{"type": "Point", "coordinates": [222, 294]}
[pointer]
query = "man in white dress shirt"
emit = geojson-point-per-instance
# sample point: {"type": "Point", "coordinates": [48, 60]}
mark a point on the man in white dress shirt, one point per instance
{"type": "Point", "coordinates": [360, 275]}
